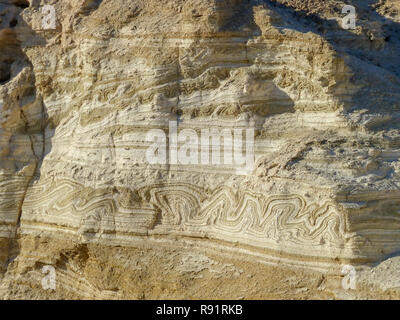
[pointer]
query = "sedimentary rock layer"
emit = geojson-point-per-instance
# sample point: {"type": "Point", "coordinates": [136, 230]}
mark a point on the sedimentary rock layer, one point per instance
{"type": "Point", "coordinates": [78, 102]}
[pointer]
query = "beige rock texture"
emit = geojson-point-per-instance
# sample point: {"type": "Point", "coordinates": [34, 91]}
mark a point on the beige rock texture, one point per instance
{"type": "Point", "coordinates": [77, 192]}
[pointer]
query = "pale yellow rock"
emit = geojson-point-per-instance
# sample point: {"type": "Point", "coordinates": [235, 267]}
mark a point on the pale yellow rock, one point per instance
{"type": "Point", "coordinates": [78, 193]}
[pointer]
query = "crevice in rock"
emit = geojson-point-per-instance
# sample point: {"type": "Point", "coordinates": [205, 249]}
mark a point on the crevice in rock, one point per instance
{"type": "Point", "coordinates": [13, 242]}
{"type": "Point", "coordinates": [13, 23]}
{"type": "Point", "coordinates": [13, 246]}
{"type": "Point", "coordinates": [23, 4]}
{"type": "Point", "coordinates": [5, 73]}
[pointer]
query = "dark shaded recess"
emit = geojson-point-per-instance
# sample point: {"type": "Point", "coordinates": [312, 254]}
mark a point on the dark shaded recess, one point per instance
{"type": "Point", "coordinates": [359, 55]}
{"type": "Point", "coordinates": [355, 48]}
{"type": "Point", "coordinates": [13, 23]}
{"type": "Point", "coordinates": [90, 5]}
{"type": "Point", "coordinates": [5, 72]}
{"type": "Point", "coordinates": [9, 52]}
{"type": "Point", "coordinates": [21, 3]}
{"type": "Point", "coordinates": [344, 40]}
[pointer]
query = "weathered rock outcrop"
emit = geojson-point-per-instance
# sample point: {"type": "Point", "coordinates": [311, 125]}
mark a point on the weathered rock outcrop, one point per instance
{"type": "Point", "coordinates": [78, 101]}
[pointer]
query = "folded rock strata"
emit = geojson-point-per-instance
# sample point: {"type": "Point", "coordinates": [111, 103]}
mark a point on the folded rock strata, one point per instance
{"type": "Point", "coordinates": [77, 103]}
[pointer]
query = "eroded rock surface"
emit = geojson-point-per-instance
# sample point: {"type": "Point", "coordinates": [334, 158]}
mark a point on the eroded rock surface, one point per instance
{"type": "Point", "coordinates": [78, 193]}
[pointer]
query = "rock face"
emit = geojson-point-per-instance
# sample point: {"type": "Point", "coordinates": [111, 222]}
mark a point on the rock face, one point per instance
{"type": "Point", "coordinates": [79, 193]}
